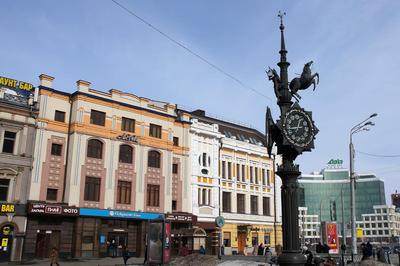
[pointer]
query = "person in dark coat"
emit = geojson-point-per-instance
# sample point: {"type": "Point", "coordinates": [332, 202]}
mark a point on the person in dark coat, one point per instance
{"type": "Point", "coordinates": [202, 250]}
{"type": "Point", "coordinates": [326, 248]}
{"type": "Point", "coordinates": [125, 254]}
{"type": "Point", "coordinates": [319, 248]}
{"type": "Point", "coordinates": [260, 251]}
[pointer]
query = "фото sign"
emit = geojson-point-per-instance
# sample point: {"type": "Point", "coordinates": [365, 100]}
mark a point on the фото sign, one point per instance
{"type": "Point", "coordinates": [52, 209]}
{"type": "Point", "coordinates": [20, 87]}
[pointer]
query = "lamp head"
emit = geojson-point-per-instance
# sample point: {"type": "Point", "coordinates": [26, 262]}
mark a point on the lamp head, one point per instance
{"type": "Point", "coordinates": [373, 115]}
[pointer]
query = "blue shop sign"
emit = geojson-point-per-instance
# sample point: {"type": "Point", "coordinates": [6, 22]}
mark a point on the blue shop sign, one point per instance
{"type": "Point", "coordinates": [120, 214]}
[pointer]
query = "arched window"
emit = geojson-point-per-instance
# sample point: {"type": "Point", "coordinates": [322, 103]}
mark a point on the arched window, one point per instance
{"type": "Point", "coordinates": [95, 149]}
{"type": "Point", "coordinates": [125, 154]}
{"type": "Point", "coordinates": [154, 159]}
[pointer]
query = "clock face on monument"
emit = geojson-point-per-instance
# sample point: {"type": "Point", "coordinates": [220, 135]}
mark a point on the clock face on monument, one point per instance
{"type": "Point", "coordinates": [298, 128]}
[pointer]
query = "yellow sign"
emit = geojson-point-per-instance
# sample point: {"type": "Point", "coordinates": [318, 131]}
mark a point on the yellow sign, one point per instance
{"type": "Point", "coordinates": [7, 208]}
{"type": "Point", "coordinates": [4, 242]}
{"type": "Point", "coordinates": [15, 84]}
{"type": "Point", "coordinates": [359, 232]}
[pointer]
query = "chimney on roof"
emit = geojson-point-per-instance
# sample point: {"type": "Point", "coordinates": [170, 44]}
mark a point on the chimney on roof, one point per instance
{"type": "Point", "coordinates": [83, 85]}
{"type": "Point", "coordinates": [199, 112]}
{"type": "Point", "coordinates": [46, 81]}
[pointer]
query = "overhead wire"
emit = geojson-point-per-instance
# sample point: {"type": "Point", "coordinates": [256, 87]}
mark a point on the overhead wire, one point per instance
{"type": "Point", "coordinates": [379, 155]}
{"type": "Point", "coordinates": [180, 44]}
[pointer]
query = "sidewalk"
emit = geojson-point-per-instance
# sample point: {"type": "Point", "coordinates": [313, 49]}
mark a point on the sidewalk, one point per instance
{"type": "Point", "coordinates": [83, 262]}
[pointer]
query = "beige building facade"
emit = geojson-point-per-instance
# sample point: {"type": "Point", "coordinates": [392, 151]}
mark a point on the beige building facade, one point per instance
{"type": "Point", "coordinates": [111, 151]}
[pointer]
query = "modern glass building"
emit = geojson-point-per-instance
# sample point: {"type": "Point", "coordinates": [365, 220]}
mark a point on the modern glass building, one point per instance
{"type": "Point", "coordinates": [322, 194]}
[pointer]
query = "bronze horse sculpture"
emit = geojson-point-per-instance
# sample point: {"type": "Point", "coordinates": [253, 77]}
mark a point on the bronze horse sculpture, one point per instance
{"type": "Point", "coordinates": [305, 80]}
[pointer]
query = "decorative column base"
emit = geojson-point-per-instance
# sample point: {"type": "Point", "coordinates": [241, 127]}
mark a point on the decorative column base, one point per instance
{"type": "Point", "coordinates": [292, 258]}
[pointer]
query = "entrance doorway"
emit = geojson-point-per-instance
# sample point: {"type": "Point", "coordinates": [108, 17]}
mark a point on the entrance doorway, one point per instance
{"type": "Point", "coordinates": [6, 239]}
{"type": "Point", "coordinates": [116, 240]}
{"type": "Point", "coordinates": [241, 242]}
{"type": "Point", "coordinates": [45, 241]}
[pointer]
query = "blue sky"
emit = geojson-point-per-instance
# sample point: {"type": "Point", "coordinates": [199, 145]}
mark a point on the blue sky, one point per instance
{"type": "Point", "coordinates": [354, 45]}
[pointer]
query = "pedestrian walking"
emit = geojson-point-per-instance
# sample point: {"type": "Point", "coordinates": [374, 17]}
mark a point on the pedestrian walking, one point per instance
{"type": "Point", "coordinates": [125, 254]}
{"type": "Point", "coordinates": [268, 256]}
{"type": "Point", "coordinates": [54, 257]}
{"type": "Point", "coordinates": [260, 251]}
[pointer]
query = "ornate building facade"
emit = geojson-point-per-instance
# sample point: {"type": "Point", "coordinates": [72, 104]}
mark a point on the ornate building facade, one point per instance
{"type": "Point", "coordinates": [18, 111]}
{"type": "Point", "coordinates": [114, 156]}
{"type": "Point", "coordinates": [246, 183]}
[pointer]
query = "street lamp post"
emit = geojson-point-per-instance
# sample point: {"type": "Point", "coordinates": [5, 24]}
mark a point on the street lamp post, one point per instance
{"type": "Point", "coordinates": [362, 126]}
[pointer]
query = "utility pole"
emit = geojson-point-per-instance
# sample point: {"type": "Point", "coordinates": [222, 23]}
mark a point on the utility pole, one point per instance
{"type": "Point", "coordinates": [362, 126]}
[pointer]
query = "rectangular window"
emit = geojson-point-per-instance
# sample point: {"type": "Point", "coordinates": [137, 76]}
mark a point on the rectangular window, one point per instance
{"type": "Point", "coordinates": [229, 170]}
{"type": "Point", "coordinates": [176, 141]}
{"type": "Point", "coordinates": [251, 175]}
{"type": "Point", "coordinates": [174, 168]}
{"type": "Point", "coordinates": [241, 203]}
{"type": "Point", "coordinates": [256, 174]}
{"type": "Point", "coordinates": [226, 201]}
{"type": "Point", "coordinates": [4, 184]}
{"type": "Point", "coordinates": [9, 141]}
{"type": "Point", "coordinates": [128, 124]}
{"type": "Point", "coordinates": [153, 195]}
{"type": "Point", "coordinates": [243, 173]}
{"type": "Point", "coordinates": [124, 192]}
{"type": "Point", "coordinates": [97, 118]}
{"type": "Point", "coordinates": [238, 172]}
{"type": "Point", "coordinates": [59, 116]}
{"type": "Point", "coordinates": [263, 176]}
{"type": "Point", "coordinates": [267, 239]}
{"type": "Point", "coordinates": [254, 204]}
{"type": "Point", "coordinates": [266, 206]}
{"type": "Point", "coordinates": [268, 178]}
{"type": "Point", "coordinates": [155, 131]}
{"type": "Point", "coordinates": [92, 189]}
{"type": "Point", "coordinates": [51, 194]}
{"type": "Point", "coordinates": [199, 201]}
{"type": "Point", "coordinates": [174, 205]}
{"type": "Point", "coordinates": [56, 149]}
{"type": "Point", "coordinates": [227, 239]}
{"type": "Point", "coordinates": [223, 169]}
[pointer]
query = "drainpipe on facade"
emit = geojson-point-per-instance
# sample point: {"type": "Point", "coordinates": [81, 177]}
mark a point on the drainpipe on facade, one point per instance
{"type": "Point", "coordinates": [219, 201]}
{"type": "Point", "coordinates": [275, 211]}
{"type": "Point", "coordinates": [67, 153]}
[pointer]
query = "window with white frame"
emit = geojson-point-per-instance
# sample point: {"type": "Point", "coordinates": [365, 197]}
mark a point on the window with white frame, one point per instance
{"type": "Point", "coordinates": [204, 196]}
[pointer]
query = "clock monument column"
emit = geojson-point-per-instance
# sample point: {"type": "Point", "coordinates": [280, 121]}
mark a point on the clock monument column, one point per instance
{"type": "Point", "coordinates": [293, 133]}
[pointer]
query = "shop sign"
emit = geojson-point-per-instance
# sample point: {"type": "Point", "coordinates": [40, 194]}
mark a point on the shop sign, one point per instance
{"type": "Point", "coordinates": [335, 163]}
{"type": "Point", "coordinates": [127, 137]}
{"type": "Point", "coordinates": [20, 87]}
{"type": "Point", "coordinates": [4, 242]}
{"type": "Point", "coordinates": [330, 236]}
{"type": "Point", "coordinates": [179, 218]}
{"type": "Point", "coordinates": [120, 214]}
{"type": "Point", "coordinates": [41, 208]}
{"type": "Point", "coordinates": [7, 208]}
{"type": "Point", "coordinates": [359, 232]}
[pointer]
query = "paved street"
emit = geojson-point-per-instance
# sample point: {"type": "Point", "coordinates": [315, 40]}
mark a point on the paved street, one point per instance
{"type": "Point", "coordinates": [188, 261]}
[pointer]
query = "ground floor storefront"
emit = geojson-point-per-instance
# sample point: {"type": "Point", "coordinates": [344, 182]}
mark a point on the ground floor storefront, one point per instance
{"type": "Point", "coordinates": [212, 236]}
{"type": "Point", "coordinates": [12, 231]}
{"type": "Point", "coordinates": [244, 238]}
{"type": "Point", "coordinates": [84, 232]}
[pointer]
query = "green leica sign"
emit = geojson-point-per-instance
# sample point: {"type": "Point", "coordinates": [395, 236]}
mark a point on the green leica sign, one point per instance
{"type": "Point", "coordinates": [335, 162]}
